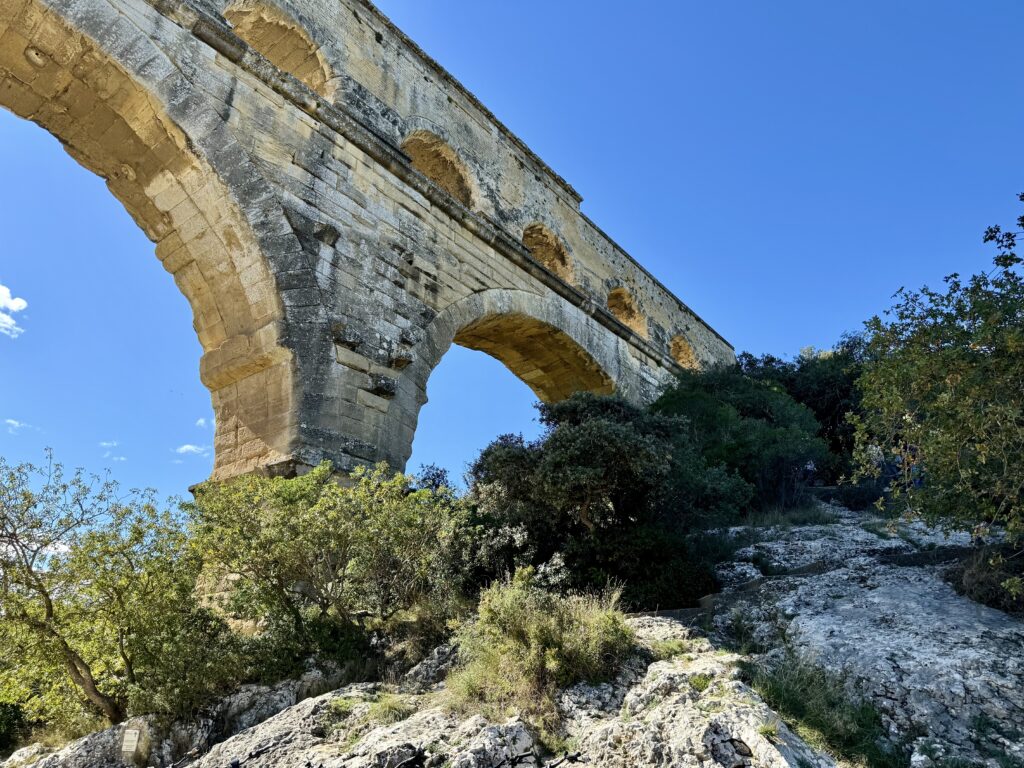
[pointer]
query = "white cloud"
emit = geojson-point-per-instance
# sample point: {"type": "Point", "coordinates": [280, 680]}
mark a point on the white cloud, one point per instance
{"type": "Point", "coordinates": [201, 423]}
{"type": "Point", "coordinates": [192, 450]}
{"type": "Point", "coordinates": [118, 458]}
{"type": "Point", "coordinates": [9, 304]}
{"type": "Point", "coordinates": [14, 426]}
{"type": "Point", "coordinates": [108, 444]}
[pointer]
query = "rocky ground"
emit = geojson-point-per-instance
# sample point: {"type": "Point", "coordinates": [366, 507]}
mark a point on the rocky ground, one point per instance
{"type": "Point", "coordinates": [946, 673]}
{"type": "Point", "coordinates": [869, 598]}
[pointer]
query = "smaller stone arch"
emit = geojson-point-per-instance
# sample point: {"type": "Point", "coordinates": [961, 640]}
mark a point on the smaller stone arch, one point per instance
{"type": "Point", "coordinates": [540, 355]}
{"type": "Point", "coordinates": [682, 352]}
{"type": "Point", "coordinates": [282, 41]}
{"type": "Point", "coordinates": [547, 343]}
{"type": "Point", "coordinates": [436, 160]}
{"type": "Point", "coordinates": [547, 248]}
{"type": "Point", "coordinates": [623, 306]}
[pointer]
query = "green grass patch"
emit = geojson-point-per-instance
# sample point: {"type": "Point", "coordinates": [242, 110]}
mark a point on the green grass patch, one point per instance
{"type": "Point", "coordinates": [527, 643]}
{"type": "Point", "coordinates": [816, 705]}
{"type": "Point", "coordinates": [669, 649]}
{"type": "Point", "coordinates": [390, 708]}
{"type": "Point", "coordinates": [339, 710]}
{"type": "Point", "coordinates": [700, 683]}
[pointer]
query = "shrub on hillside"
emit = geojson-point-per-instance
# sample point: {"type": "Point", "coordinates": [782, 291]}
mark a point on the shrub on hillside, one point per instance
{"type": "Point", "coordinates": [752, 428]}
{"type": "Point", "coordinates": [610, 492]}
{"type": "Point", "coordinates": [526, 643]}
{"type": "Point", "coordinates": [314, 560]}
{"type": "Point", "coordinates": [943, 399]}
{"type": "Point", "coordinates": [826, 382]}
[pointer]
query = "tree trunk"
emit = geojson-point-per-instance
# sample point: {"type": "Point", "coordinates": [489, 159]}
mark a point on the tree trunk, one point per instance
{"type": "Point", "coordinates": [81, 675]}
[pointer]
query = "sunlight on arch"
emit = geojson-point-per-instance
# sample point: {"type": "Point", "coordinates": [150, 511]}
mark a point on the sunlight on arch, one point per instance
{"type": "Point", "coordinates": [623, 306]}
{"type": "Point", "coordinates": [432, 157]}
{"type": "Point", "coordinates": [472, 398]}
{"type": "Point", "coordinates": [282, 42]}
{"type": "Point", "coordinates": [108, 359]}
{"type": "Point", "coordinates": [546, 247]}
{"type": "Point", "coordinates": [682, 352]}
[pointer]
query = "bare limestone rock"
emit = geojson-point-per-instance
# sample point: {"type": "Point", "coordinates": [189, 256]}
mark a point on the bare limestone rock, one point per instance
{"type": "Point", "coordinates": [946, 673]}
{"type": "Point", "coordinates": [161, 747]}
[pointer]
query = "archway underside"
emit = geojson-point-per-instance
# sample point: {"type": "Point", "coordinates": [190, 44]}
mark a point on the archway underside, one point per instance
{"type": "Point", "coordinates": [113, 126]}
{"type": "Point", "coordinates": [546, 359]}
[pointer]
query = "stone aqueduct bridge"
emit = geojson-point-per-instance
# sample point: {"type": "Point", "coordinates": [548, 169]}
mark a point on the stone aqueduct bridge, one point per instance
{"type": "Point", "coordinates": [338, 210]}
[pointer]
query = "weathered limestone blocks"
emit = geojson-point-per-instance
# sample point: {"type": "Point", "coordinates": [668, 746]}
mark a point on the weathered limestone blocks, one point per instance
{"type": "Point", "coordinates": [338, 210]}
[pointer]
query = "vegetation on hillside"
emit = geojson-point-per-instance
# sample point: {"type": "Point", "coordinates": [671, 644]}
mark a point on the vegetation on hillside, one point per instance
{"type": "Point", "coordinates": [943, 407]}
{"type": "Point", "coordinates": [113, 606]}
{"type": "Point", "coordinates": [526, 642]}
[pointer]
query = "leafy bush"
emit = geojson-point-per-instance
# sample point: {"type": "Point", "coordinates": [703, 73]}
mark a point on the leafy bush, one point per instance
{"type": "Point", "coordinates": [608, 490]}
{"type": "Point", "coordinates": [315, 559]}
{"type": "Point", "coordinates": [826, 382]}
{"type": "Point", "coordinates": [526, 643]}
{"type": "Point", "coordinates": [749, 427]}
{"type": "Point", "coordinates": [817, 705]}
{"type": "Point", "coordinates": [943, 401]}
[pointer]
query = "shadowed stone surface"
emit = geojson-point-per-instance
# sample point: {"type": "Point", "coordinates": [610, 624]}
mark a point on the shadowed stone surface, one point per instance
{"type": "Point", "coordinates": [338, 210]}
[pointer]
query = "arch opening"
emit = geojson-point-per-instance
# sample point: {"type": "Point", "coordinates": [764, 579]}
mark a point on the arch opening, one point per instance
{"type": "Point", "coordinates": [282, 42]}
{"type": "Point", "coordinates": [114, 126]}
{"type": "Point", "coordinates": [546, 343]}
{"type": "Point", "coordinates": [623, 306]}
{"type": "Point", "coordinates": [469, 383]}
{"type": "Point", "coordinates": [682, 352]}
{"type": "Point", "coordinates": [547, 248]}
{"type": "Point", "coordinates": [436, 160]}
{"type": "Point", "coordinates": [546, 359]}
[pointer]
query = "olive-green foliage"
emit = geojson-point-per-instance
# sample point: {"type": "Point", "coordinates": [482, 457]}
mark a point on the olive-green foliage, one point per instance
{"type": "Point", "coordinates": [607, 491]}
{"type": "Point", "coordinates": [527, 642]}
{"type": "Point", "coordinates": [750, 427]}
{"type": "Point", "coordinates": [817, 705]}
{"type": "Point", "coordinates": [826, 382]}
{"type": "Point", "coordinates": [315, 557]}
{"type": "Point", "coordinates": [943, 400]}
{"type": "Point", "coordinates": [100, 618]}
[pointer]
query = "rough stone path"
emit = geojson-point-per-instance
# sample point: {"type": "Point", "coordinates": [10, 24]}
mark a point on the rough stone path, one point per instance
{"type": "Point", "coordinates": [946, 672]}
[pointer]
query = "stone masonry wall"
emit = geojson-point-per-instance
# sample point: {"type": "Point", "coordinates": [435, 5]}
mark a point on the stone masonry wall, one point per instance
{"type": "Point", "coordinates": [327, 274]}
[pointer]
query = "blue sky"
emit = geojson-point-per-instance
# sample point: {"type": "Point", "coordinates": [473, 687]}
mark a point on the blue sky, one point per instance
{"type": "Point", "coordinates": [783, 167]}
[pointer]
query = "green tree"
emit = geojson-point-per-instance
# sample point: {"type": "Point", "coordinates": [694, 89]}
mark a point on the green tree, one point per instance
{"type": "Point", "coordinates": [826, 382]}
{"type": "Point", "coordinates": [943, 397]}
{"type": "Point", "coordinates": [96, 591]}
{"type": "Point", "coordinates": [748, 426]}
{"type": "Point", "coordinates": [310, 558]}
{"type": "Point", "coordinates": [608, 491]}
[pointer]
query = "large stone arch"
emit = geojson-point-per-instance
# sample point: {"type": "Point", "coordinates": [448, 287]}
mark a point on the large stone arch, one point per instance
{"type": "Point", "coordinates": [548, 343]}
{"type": "Point", "coordinates": [110, 105]}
